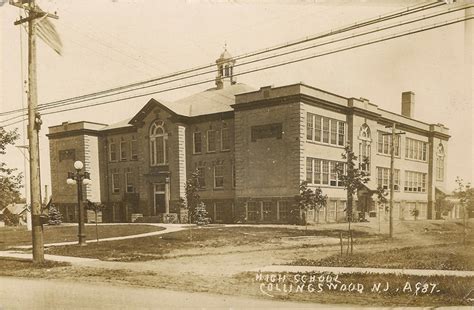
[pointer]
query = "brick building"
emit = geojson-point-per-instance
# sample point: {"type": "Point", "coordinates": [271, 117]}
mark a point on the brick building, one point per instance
{"type": "Point", "coordinates": [252, 148]}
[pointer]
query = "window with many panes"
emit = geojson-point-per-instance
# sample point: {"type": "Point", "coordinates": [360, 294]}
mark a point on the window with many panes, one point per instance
{"type": "Point", "coordinates": [158, 144]}
{"type": "Point", "coordinates": [201, 177]}
{"type": "Point", "coordinates": [325, 130]}
{"type": "Point", "coordinates": [252, 211]}
{"type": "Point", "coordinates": [269, 210]}
{"type": "Point", "coordinates": [113, 151]}
{"type": "Point", "coordinates": [115, 183]}
{"type": "Point", "coordinates": [225, 142]}
{"type": "Point", "coordinates": [415, 149]}
{"type": "Point", "coordinates": [211, 140]}
{"type": "Point", "coordinates": [123, 150]}
{"type": "Point", "coordinates": [283, 210]}
{"type": "Point", "coordinates": [134, 149]}
{"type": "Point", "coordinates": [384, 143]}
{"type": "Point", "coordinates": [415, 181]}
{"type": "Point", "coordinates": [322, 172]}
{"type": "Point", "coordinates": [383, 178]}
{"type": "Point", "coordinates": [129, 182]}
{"type": "Point", "coordinates": [218, 176]}
{"type": "Point", "coordinates": [197, 142]}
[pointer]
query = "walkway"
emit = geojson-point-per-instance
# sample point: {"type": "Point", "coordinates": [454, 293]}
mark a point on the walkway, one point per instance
{"type": "Point", "coordinates": [342, 270]}
{"type": "Point", "coordinates": [168, 228]}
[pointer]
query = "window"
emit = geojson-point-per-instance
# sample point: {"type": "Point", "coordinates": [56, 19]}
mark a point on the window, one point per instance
{"type": "Point", "coordinates": [332, 210]}
{"type": "Point", "coordinates": [252, 211]}
{"type": "Point", "coordinates": [218, 211]}
{"type": "Point", "coordinates": [211, 140]}
{"type": "Point", "coordinates": [202, 177]}
{"type": "Point", "coordinates": [415, 182]}
{"type": "Point", "coordinates": [326, 130]}
{"type": "Point", "coordinates": [440, 163]}
{"type": "Point", "coordinates": [115, 183]}
{"type": "Point", "coordinates": [341, 131]}
{"type": "Point", "coordinates": [129, 182]}
{"type": "Point", "coordinates": [283, 210]}
{"type": "Point", "coordinates": [334, 132]}
{"type": "Point", "coordinates": [113, 151]}
{"type": "Point", "coordinates": [384, 142]}
{"type": "Point", "coordinates": [197, 142]}
{"type": "Point", "coordinates": [218, 176]}
{"type": "Point", "coordinates": [321, 172]}
{"type": "Point", "coordinates": [225, 143]}
{"type": "Point", "coordinates": [158, 144]}
{"type": "Point", "coordinates": [415, 149]}
{"type": "Point", "coordinates": [309, 126]}
{"type": "Point", "coordinates": [268, 210]}
{"type": "Point", "coordinates": [133, 149]}
{"type": "Point", "coordinates": [123, 150]}
{"type": "Point", "coordinates": [383, 178]}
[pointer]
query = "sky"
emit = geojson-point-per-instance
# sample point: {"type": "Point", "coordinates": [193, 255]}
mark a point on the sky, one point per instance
{"type": "Point", "coordinates": [110, 43]}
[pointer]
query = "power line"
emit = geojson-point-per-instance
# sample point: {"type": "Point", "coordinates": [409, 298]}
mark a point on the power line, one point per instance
{"type": "Point", "coordinates": [385, 17]}
{"type": "Point", "coordinates": [411, 32]}
{"type": "Point", "coordinates": [425, 17]}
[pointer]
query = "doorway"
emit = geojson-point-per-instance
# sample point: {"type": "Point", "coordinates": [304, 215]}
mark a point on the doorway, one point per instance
{"type": "Point", "coordinates": [159, 195]}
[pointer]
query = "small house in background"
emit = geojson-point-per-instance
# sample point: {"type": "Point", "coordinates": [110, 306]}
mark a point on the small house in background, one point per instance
{"type": "Point", "coordinates": [15, 214]}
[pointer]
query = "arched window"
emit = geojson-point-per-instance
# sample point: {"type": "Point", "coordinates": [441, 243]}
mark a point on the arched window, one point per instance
{"type": "Point", "coordinates": [158, 144]}
{"type": "Point", "coordinates": [364, 147]}
{"type": "Point", "coordinates": [440, 162]}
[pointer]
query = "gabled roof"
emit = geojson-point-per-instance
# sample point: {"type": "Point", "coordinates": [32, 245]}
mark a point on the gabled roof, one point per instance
{"type": "Point", "coordinates": [17, 208]}
{"type": "Point", "coordinates": [207, 102]}
{"type": "Point", "coordinates": [121, 124]}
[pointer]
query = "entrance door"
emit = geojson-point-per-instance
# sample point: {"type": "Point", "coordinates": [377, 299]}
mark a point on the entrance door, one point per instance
{"type": "Point", "coordinates": [159, 198]}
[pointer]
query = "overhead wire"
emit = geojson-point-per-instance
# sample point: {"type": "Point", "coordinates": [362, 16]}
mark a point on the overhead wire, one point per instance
{"type": "Point", "coordinates": [406, 33]}
{"type": "Point", "coordinates": [425, 17]}
{"type": "Point", "coordinates": [385, 17]}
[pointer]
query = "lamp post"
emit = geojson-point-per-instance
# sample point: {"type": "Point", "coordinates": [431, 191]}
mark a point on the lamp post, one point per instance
{"type": "Point", "coordinates": [79, 179]}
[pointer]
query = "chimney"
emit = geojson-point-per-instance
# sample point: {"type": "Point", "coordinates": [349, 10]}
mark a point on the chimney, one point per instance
{"type": "Point", "coordinates": [408, 104]}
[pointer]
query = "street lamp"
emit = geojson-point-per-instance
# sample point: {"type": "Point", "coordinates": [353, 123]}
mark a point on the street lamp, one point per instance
{"type": "Point", "coordinates": [79, 179]}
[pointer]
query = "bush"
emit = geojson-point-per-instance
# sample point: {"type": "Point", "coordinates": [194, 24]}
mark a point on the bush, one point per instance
{"type": "Point", "coordinates": [54, 216]}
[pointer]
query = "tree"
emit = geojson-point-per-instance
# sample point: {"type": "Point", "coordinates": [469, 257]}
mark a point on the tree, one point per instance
{"type": "Point", "coordinates": [310, 200]}
{"type": "Point", "coordinates": [201, 217]}
{"type": "Point", "coordinates": [192, 195]}
{"type": "Point", "coordinates": [54, 216]}
{"type": "Point", "coordinates": [381, 200]}
{"type": "Point", "coordinates": [96, 207]}
{"type": "Point", "coordinates": [353, 178]}
{"type": "Point", "coordinates": [465, 194]}
{"type": "Point", "coordinates": [10, 182]}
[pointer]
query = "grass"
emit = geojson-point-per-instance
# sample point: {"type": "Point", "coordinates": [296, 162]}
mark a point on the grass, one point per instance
{"type": "Point", "coordinates": [13, 236]}
{"type": "Point", "coordinates": [156, 247]}
{"type": "Point", "coordinates": [8, 265]}
{"type": "Point", "coordinates": [445, 257]}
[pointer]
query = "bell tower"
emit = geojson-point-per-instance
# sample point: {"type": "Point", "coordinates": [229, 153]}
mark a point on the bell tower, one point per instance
{"type": "Point", "coordinates": [225, 70]}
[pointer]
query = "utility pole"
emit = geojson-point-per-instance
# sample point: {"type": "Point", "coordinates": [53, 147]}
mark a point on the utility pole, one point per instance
{"type": "Point", "coordinates": [34, 124]}
{"type": "Point", "coordinates": [393, 135]}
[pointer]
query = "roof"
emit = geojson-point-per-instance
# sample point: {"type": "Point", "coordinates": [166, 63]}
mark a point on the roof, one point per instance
{"type": "Point", "coordinates": [209, 102]}
{"type": "Point", "coordinates": [121, 124]}
{"type": "Point", "coordinates": [17, 208]}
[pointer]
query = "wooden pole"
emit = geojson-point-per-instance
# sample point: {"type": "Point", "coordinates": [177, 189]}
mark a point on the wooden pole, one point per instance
{"type": "Point", "coordinates": [33, 128]}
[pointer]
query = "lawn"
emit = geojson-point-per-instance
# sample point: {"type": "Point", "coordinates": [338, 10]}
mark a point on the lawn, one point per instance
{"type": "Point", "coordinates": [13, 236]}
{"type": "Point", "coordinates": [444, 256]}
{"type": "Point", "coordinates": [204, 239]}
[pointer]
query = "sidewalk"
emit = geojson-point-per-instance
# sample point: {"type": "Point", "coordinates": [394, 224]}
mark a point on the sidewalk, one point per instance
{"type": "Point", "coordinates": [169, 228]}
{"type": "Point", "coordinates": [342, 270]}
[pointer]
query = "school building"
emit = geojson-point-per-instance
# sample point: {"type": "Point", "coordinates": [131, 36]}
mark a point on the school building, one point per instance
{"type": "Point", "coordinates": [252, 148]}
